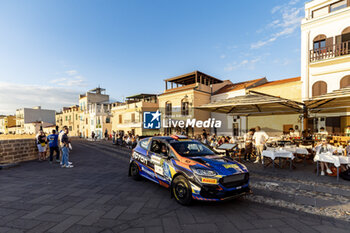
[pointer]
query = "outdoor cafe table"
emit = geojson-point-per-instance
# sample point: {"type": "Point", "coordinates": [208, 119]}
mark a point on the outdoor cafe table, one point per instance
{"type": "Point", "coordinates": [328, 157]}
{"type": "Point", "coordinates": [273, 153]}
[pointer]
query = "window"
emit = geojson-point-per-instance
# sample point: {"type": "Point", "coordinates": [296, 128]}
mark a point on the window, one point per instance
{"type": "Point", "coordinates": [184, 108]}
{"type": "Point", "coordinates": [345, 82]}
{"type": "Point", "coordinates": [320, 12]}
{"type": "Point", "coordinates": [120, 119]}
{"type": "Point", "coordinates": [108, 120]}
{"type": "Point", "coordinates": [86, 121]}
{"type": "Point", "coordinates": [144, 143]}
{"type": "Point", "coordinates": [345, 35]}
{"type": "Point", "coordinates": [70, 128]}
{"type": "Point", "coordinates": [319, 88]}
{"type": "Point", "coordinates": [92, 122]}
{"type": "Point", "coordinates": [168, 109]}
{"type": "Point", "coordinates": [132, 117]}
{"type": "Point", "coordinates": [320, 42]}
{"type": "Point", "coordinates": [66, 118]}
{"type": "Point", "coordinates": [338, 5]}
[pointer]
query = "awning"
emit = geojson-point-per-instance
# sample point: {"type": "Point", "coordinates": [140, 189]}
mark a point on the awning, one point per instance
{"type": "Point", "coordinates": [336, 101]}
{"type": "Point", "coordinates": [255, 103]}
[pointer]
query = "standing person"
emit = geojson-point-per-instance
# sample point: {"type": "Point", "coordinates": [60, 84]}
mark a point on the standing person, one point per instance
{"type": "Point", "coordinates": [93, 135]}
{"type": "Point", "coordinates": [106, 135]}
{"type": "Point", "coordinates": [53, 144]}
{"type": "Point", "coordinates": [205, 133]}
{"type": "Point", "coordinates": [204, 140]}
{"type": "Point", "coordinates": [41, 143]}
{"type": "Point", "coordinates": [259, 138]}
{"type": "Point", "coordinates": [113, 137]}
{"type": "Point", "coordinates": [248, 144]}
{"type": "Point", "coordinates": [65, 149]}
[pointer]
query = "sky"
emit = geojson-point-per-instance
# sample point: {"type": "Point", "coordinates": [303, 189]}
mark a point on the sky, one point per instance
{"type": "Point", "coordinates": [53, 50]}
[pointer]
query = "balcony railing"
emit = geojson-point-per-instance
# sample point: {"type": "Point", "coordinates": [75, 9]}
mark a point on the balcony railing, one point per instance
{"type": "Point", "coordinates": [328, 52]}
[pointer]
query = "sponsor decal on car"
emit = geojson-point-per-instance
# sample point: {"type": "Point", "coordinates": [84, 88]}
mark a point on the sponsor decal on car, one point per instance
{"type": "Point", "coordinates": [227, 166]}
{"type": "Point", "coordinates": [139, 157]}
{"type": "Point", "coordinates": [209, 181]}
{"type": "Point", "coordinates": [159, 170]}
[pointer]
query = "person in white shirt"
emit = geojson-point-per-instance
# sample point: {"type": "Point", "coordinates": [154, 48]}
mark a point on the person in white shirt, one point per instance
{"type": "Point", "coordinates": [296, 131]}
{"type": "Point", "coordinates": [259, 138]}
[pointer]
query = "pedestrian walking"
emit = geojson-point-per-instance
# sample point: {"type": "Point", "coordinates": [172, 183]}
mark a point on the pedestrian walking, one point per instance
{"type": "Point", "coordinates": [53, 144]}
{"type": "Point", "coordinates": [260, 138]}
{"type": "Point", "coordinates": [65, 149]}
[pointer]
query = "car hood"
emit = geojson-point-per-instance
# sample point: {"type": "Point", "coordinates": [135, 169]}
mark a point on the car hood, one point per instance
{"type": "Point", "coordinates": [222, 165]}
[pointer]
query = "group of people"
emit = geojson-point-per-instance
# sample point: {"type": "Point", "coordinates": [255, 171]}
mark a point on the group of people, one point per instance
{"type": "Point", "coordinates": [55, 143]}
{"type": "Point", "coordinates": [128, 139]}
{"type": "Point", "coordinates": [254, 138]}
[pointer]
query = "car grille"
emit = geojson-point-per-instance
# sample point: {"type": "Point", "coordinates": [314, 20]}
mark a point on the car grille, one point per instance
{"type": "Point", "coordinates": [234, 180]}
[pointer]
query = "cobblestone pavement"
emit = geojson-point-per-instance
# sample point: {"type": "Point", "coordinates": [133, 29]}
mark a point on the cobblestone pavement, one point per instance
{"type": "Point", "coordinates": [98, 196]}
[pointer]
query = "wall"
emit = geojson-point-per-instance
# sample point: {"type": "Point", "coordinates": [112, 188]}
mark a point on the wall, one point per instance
{"type": "Point", "coordinates": [328, 70]}
{"type": "Point", "coordinates": [17, 150]}
{"type": "Point", "coordinates": [273, 125]}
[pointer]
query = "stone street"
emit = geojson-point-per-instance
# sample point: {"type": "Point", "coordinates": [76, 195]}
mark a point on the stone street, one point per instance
{"type": "Point", "coordinates": [98, 196]}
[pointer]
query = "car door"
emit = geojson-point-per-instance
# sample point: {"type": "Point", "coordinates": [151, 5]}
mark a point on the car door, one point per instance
{"type": "Point", "coordinates": [157, 156]}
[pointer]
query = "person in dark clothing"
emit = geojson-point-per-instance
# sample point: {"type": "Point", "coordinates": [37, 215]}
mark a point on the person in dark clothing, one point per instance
{"type": "Point", "coordinates": [53, 144]}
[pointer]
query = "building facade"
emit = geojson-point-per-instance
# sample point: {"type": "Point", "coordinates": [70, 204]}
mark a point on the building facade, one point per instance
{"type": "Point", "coordinates": [32, 115]}
{"type": "Point", "coordinates": [70, 117]}
{"type": "Point", "coordinates": [7, 122]}
{"type": "Point", "coordinates": [180, 99]}
{"type": "Point", "coordinates": [95, 113]}
{"type": "Point", "coordinates": [128, 116]}
{"type": "Point", "coordinates": [232, 125]}
{"type": "Point", "coordinates": [325, 56]}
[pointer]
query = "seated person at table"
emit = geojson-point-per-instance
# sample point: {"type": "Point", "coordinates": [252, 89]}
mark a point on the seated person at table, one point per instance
{"type": "Point", "coordinates": [347, 131]}
{"type": "Point", "coordinates": [324, 147]}
{"type": "Point", "coordinates": [347, 150]}
{"type": "Point", "coordinates": [291, 132]}
{"type": "Point", "coordinates": [323, 133]}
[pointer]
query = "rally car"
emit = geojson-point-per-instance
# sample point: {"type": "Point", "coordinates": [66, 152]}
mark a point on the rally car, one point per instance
{"type": "Point", "coordinates": [191, 170]}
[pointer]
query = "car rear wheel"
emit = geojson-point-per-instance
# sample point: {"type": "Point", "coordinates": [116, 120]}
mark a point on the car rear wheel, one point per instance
{"type": "Point", "coordinates": [181, 190]}
{"type": "Point", "coordinates": [135, 171]}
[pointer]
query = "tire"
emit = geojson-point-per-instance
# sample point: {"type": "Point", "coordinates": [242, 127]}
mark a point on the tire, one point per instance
{"type": "Point", "coordinates": [182, 190]}
{"type": "Point", "coordinates": [135, 171]}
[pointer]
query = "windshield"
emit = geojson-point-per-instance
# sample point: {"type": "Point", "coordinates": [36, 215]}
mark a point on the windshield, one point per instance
{"type": "Point", "coordinates": [191, 148]}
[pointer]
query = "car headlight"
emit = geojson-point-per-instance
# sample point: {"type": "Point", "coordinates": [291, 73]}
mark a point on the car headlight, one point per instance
{"type": "Point", "coordinates": [203, 172]}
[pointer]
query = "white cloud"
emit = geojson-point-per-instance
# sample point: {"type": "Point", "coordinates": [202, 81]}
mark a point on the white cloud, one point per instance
{"type": "Point", "coordinates": [73, 80]}
{"type": "Point", "coordinates": [288, 22]}
{"type": "Point", "coordinates": [76, 81]}
{"type": "Point", "coordinates": [222, 56]}
{"type": "Point", "coordinates": [71, 72]}
{"type": "Point", "coordinates": [247, 63]}
{"type": "Point", "coordinates": [14, 96]}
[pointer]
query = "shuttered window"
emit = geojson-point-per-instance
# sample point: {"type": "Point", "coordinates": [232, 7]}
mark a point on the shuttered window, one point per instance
{"type": "Point", "coordinates": [319, 88]}
{"type": "Point", "coordinates": [345, 82]}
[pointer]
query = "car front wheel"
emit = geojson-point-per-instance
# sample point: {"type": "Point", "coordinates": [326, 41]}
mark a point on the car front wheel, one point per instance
{"type": "Point", "coordinates": [135, 171]}
{"type": "Point", "coordinates": [181, 190]}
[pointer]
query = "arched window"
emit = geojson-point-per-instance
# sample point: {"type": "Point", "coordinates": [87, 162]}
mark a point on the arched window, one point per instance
{"type": "Point", "coordinates": [168, 109]}
{"type": "Point", "coordinates": [319, 88]}
{"type": "Point", "coordinates": [345, 82]}
{"type": "Point", "coordinates": [320, 41]}
{"type": "Point", "coordinates": [345, 35]}
{"type": "Point", "coordinates": [184, 107]}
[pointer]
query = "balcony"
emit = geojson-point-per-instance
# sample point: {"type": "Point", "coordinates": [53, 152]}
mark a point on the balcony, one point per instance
{"type": "Point", "coordinates": [329, 52]}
